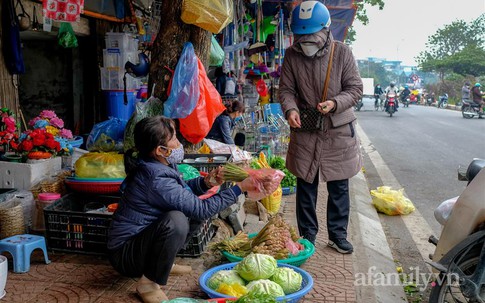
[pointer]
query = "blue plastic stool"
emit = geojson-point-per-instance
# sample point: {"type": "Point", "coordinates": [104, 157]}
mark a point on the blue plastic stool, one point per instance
{"type": "Point", "coordinates": [21, 247]}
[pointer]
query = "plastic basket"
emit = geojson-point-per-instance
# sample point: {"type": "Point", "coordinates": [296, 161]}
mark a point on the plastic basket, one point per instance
{"type": "Point", "coordinates": [288, 190]}
{"type": "Point", "coordinates": [70, 228]}
{"type": "Point", "coordinates": [297, 260]}
{"type": "Point", "coordinates": [306, 284]}
{"type": "Point", "coordinates": [100, 187]}
{"type": "Point", "coordinates": [199, 240]}
{"type": "Point", "coordinates": [207, 166]}
{"type": "Point", "coordinates": [76, 141]}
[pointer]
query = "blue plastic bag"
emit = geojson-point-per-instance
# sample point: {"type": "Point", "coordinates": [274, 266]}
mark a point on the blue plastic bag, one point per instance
{"type": "Point", "coordinates": [107, 136]}
{"type": "Point", "coordinates": [184, 93]}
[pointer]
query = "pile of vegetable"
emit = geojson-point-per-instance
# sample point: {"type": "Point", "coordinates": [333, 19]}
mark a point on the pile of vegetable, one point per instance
{"type": "Point", "coordinates": [277, 239]}
{"type": "Point", "coordinates": [279, 163]}
{"type": "Point", "coordinates": [263, 278]}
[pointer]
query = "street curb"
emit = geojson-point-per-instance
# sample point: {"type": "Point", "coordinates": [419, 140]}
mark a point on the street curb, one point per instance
{"type": "Point", "coordinates": [376, 278]}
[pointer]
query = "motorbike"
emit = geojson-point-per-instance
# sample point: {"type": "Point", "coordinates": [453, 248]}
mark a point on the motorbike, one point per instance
{"type": "Point", "coordinates": [470, 109]}
{"type": "Point", "coordinates": [359, 105]}
{"type": "Point", "coordinates": [459, 256]}
{"type": "Point", "coordinates": [391, 104]}
{"type": "Point", "coordinates": [429, 101]}
{"type": "Point", "coordinates": [443, 102]}
{"type": "Point", "coordinates": [405, 101]}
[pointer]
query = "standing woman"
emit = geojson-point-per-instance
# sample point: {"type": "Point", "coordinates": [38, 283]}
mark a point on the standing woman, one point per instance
{"type": "Point", "coordinates": [151, 223]}
{"type": "Point", "coordinates": [330, 154]}
{"type": "Point", "coordinates": [224, 124]}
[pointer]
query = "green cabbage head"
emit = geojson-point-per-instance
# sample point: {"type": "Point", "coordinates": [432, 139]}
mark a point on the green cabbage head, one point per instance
{"type": "Point", "coordinates": [265, 286]}
{"type": "Point", "coordinates": [226, 276]}
{"type": "Point", "coordinates": [288, 279]}
{"type": "Point", "coordinates": [256, 266]}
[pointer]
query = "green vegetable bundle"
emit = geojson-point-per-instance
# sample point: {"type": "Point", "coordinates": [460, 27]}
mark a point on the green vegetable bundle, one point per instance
{"type": "Point", "coordinates": [234, 173]}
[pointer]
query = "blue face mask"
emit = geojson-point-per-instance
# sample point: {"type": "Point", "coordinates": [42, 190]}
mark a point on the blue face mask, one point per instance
{"type": "Point", "coordinates": [176, 155]}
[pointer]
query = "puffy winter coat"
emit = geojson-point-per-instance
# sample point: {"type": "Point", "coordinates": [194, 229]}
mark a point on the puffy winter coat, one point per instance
{"type": "Point", "coordinates": [335, 151]}
{"type": "Point", "coordinates": [155, 188]}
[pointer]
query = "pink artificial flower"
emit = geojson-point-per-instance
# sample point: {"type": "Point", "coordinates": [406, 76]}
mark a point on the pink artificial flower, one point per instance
{"type": "Point", "coordinates": [32, 122]}
{"type": "Point", "coordinates": [57, 122]}
{"type": "Point", "coordinates": [65, 133]}
{"type": "Point", "coordinates": [10, 123]}
{"type": "Point", "coordinates": [47, 114]}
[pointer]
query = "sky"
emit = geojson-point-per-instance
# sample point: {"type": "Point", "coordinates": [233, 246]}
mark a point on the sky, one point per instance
{"type": "Point", "coordinates": [401, 30]}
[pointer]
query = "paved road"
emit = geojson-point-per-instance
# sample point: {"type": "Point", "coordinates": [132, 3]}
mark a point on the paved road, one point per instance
{"type": "Point", "coordinates": [419, 149]}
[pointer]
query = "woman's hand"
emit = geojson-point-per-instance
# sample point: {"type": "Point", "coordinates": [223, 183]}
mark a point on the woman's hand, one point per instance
{"type": "Point", "coordinates": [294, 119]}
{"type": "Point", "coordinates": [214, 178]}
{"type": "Point", "coordinates": [326, 106]}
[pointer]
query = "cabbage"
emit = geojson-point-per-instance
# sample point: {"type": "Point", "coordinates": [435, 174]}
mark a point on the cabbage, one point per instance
{"type": "Point", "coordinates": [256, 266]}
{"type": "Point", "coordinates": [226, 276]}
{"type": "Point", "coordinates": [288, 279]}
{"type": "Point", "coordinates": [264, 286]}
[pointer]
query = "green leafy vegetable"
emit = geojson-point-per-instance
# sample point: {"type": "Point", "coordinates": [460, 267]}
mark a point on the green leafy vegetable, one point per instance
{"type": "Point", "coordinates": [226, 276]}
{"type": "Point", "coordinates": [256, 298]}
{"type": "Point", "coordinates": [264, 286]}
{"type": "Point", "coordinates": [289, 179]}
{"type": "Point", "coordinates": [288, 279]}
{"type": "Point", "coordinates": [256, 266]}
{"type": "Point", "coordinates": [277, 162]}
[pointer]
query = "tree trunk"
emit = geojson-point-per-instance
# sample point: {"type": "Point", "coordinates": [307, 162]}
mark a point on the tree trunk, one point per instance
{"type": "Point", "coordinates": [169, 43]}
{"type": "Point", "coordinates": [8, 83]}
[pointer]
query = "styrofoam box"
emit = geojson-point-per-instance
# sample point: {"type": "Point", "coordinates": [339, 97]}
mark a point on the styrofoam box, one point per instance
{"type": "Point", "coordinates": [26, 175]}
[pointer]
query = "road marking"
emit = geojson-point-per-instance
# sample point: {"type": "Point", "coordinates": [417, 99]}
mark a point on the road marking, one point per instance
{"type": "Point", "coordinates": [415, 222]}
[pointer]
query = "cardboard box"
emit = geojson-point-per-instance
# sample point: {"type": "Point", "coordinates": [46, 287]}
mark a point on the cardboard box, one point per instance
{"type": "Point", "coordinates": [26, 175]}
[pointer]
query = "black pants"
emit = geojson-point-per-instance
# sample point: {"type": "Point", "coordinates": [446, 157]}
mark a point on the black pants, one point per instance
{"type": "Point", "coordinates": [338, 208]}
{"type": "Point", "coordinates": [152, 252]}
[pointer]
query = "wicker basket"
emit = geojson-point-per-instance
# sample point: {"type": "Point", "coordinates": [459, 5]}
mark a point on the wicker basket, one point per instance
{"type": "Point", "coordinates": [11, 219]}
{"type": "Point", "coordinates": [54, 185]}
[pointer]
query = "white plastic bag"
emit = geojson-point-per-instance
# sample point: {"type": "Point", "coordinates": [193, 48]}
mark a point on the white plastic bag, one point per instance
{"type": "Point", "coordinates": [443, 211]}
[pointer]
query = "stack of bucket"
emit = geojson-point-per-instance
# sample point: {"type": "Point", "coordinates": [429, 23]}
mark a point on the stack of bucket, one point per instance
{"type": "Point", "coordinates": [120, 48]}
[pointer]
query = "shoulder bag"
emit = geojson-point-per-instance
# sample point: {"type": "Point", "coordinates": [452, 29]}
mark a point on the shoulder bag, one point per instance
{"type": "Point", "coordinates": [312, 119]}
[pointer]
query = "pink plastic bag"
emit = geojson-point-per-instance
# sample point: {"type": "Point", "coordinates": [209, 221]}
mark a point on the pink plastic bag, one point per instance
{"type": "Point", "coordinates": [263, 182]}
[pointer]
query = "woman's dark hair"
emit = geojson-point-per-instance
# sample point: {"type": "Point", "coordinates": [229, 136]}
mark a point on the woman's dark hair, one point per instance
{"type": "Point", "coordinates": [235, 106]}
{"type": "Point", "coordinates": [149, 133]}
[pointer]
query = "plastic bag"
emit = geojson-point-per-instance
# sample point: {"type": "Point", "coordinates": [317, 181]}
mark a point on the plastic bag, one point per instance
{"type": "Point", "coordinates": [391, 202]}
{"type": "Point", "coordinates": [107, 136]}
{"type": "Point", "coordinates": [67, 37]}
{"type": "Point", "coordinates": [211, 15]}
{"type": "Point", "coordinates": [443, 211]}
{"type": "Point", "coordinates": [100, 165]}
{"type": "Point", "coordinates": [198, 124]}
{"type": "Point", "coordinates": [188, 172]}
{"type": "Point", "coordinates": [184, 92]}
{"type": "Point", "coordinates": [262, 182]}
{"type": "Point", "coordinates": [216, 57]}
{"type": "Point", "coordinates": [272, 202]}
{"type": "Point", "coordinates": [152, 107]}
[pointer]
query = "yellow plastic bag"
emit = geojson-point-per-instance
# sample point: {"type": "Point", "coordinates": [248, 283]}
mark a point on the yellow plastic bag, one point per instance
{"type": "Point", "coordinates": [233, 290]}
{"type": "Point", "coordinates": [273, 202]}
{"type": "Point", "coordinates": [391, 202]}
{"type": "Point", "coordinates": [100, 165]}
{"type": "Point", "coordinates": [211, 15]}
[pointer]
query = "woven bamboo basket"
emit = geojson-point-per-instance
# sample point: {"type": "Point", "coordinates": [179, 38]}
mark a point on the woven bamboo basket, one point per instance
{"type": "Point", "coordinates": [11, 219]}
{"type": "Point", "coordinates": [54, 185]}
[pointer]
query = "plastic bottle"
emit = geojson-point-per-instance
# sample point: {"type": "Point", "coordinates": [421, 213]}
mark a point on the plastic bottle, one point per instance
{"type": "Point", "coordinates": [43, 200]}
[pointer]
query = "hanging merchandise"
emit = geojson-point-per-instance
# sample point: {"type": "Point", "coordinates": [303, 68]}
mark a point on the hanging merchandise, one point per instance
{"type": "Point", "coordinates": [24, 17]}
{"type": "Point", "coordinates": [184, 90]}
{"type": "Point", "coordinates": [261, 88]}
{"type": "Point", "coordinates": [217, 53]}
{"type": "Point", "coordinates": [198, 124]}
{"type": "Point", "coordinates": [67, 37]}
{"type": "Point", "coordinates": [211, 15]}
{"type": "Point", "coordinates": [63, 10]}
{"type": "Point", "coordinates": [12, 49]}
{"type": "Point", "coordinates": [258, 46]}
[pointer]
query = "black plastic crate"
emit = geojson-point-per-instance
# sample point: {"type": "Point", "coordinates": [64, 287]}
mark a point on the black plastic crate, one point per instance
{"type": "Point", "coordinates": [70, 228]}
{"type": "Point", "coordinates": [199, 240]}
{"type": "Point", "coordinates": [207, 167]}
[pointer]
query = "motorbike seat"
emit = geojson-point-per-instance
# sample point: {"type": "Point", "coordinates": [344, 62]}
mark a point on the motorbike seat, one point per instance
{"type": "Point", "coordinates": [474, 168]}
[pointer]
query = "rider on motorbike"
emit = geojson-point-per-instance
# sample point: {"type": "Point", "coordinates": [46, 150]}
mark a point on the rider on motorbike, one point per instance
{"type": "Point", "coordinates": [405, 93]}
{"type": "Point", "coordinates": [377, 93]}
{"type": "Point", "coordinates": [477, 96]}
{"type": "Point", "coordinates": [443, 99]}
{"type": "Point", "coordinates": [392, 89]}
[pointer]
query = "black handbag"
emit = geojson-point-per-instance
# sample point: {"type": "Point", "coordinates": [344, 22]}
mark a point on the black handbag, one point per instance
{"type": "Point", "coordinates": [311, 119]}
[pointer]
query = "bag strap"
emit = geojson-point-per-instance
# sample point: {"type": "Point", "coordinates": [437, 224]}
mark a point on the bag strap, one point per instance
{"type": "Point", "coordinates": [329, 68]}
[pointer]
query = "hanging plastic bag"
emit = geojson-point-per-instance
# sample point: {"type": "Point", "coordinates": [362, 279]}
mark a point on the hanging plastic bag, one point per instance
{"type": "Point", "coordinates": [107, 136]}
{"type": "Point", "coordinates": [391, 202]}
{"type": "Point", "coordinates": [100, 165]}
{"type": "Point", "coordinates": [67, 37]}
{"type": "Point", "coordinates": [198, 124]}
{"type": "Point", "coordinates": [211, 15]}
{"type": "Point", "coordinates": [184, 92]}
{"type": "Point", "coordinates": [152, 107]}
{"type": "Point", "coordinates": [217, 53]}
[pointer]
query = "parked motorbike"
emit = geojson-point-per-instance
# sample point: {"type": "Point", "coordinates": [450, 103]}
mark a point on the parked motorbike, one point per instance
{"type": "Point", "coordinates": [460, 251]}
{"type": "Point", "coordinates": [470, 109]}
{"type": "Point", "coordinates": [391, 104]}
{"type": "Point", "coordinates": [359, 105]}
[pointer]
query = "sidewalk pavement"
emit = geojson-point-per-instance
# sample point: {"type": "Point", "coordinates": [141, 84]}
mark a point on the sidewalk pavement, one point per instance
{"type": "Point", "coordinates": [337, 278]}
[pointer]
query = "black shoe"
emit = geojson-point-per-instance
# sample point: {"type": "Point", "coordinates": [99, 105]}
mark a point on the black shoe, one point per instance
{"type": "Point", "coordinates": [341, 245]}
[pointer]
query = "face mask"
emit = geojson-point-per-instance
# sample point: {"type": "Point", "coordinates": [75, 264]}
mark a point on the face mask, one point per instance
{"type": "Point", "coordinates": [176, 156]}
{"type": "Point", "coordinates": [309, 49]}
